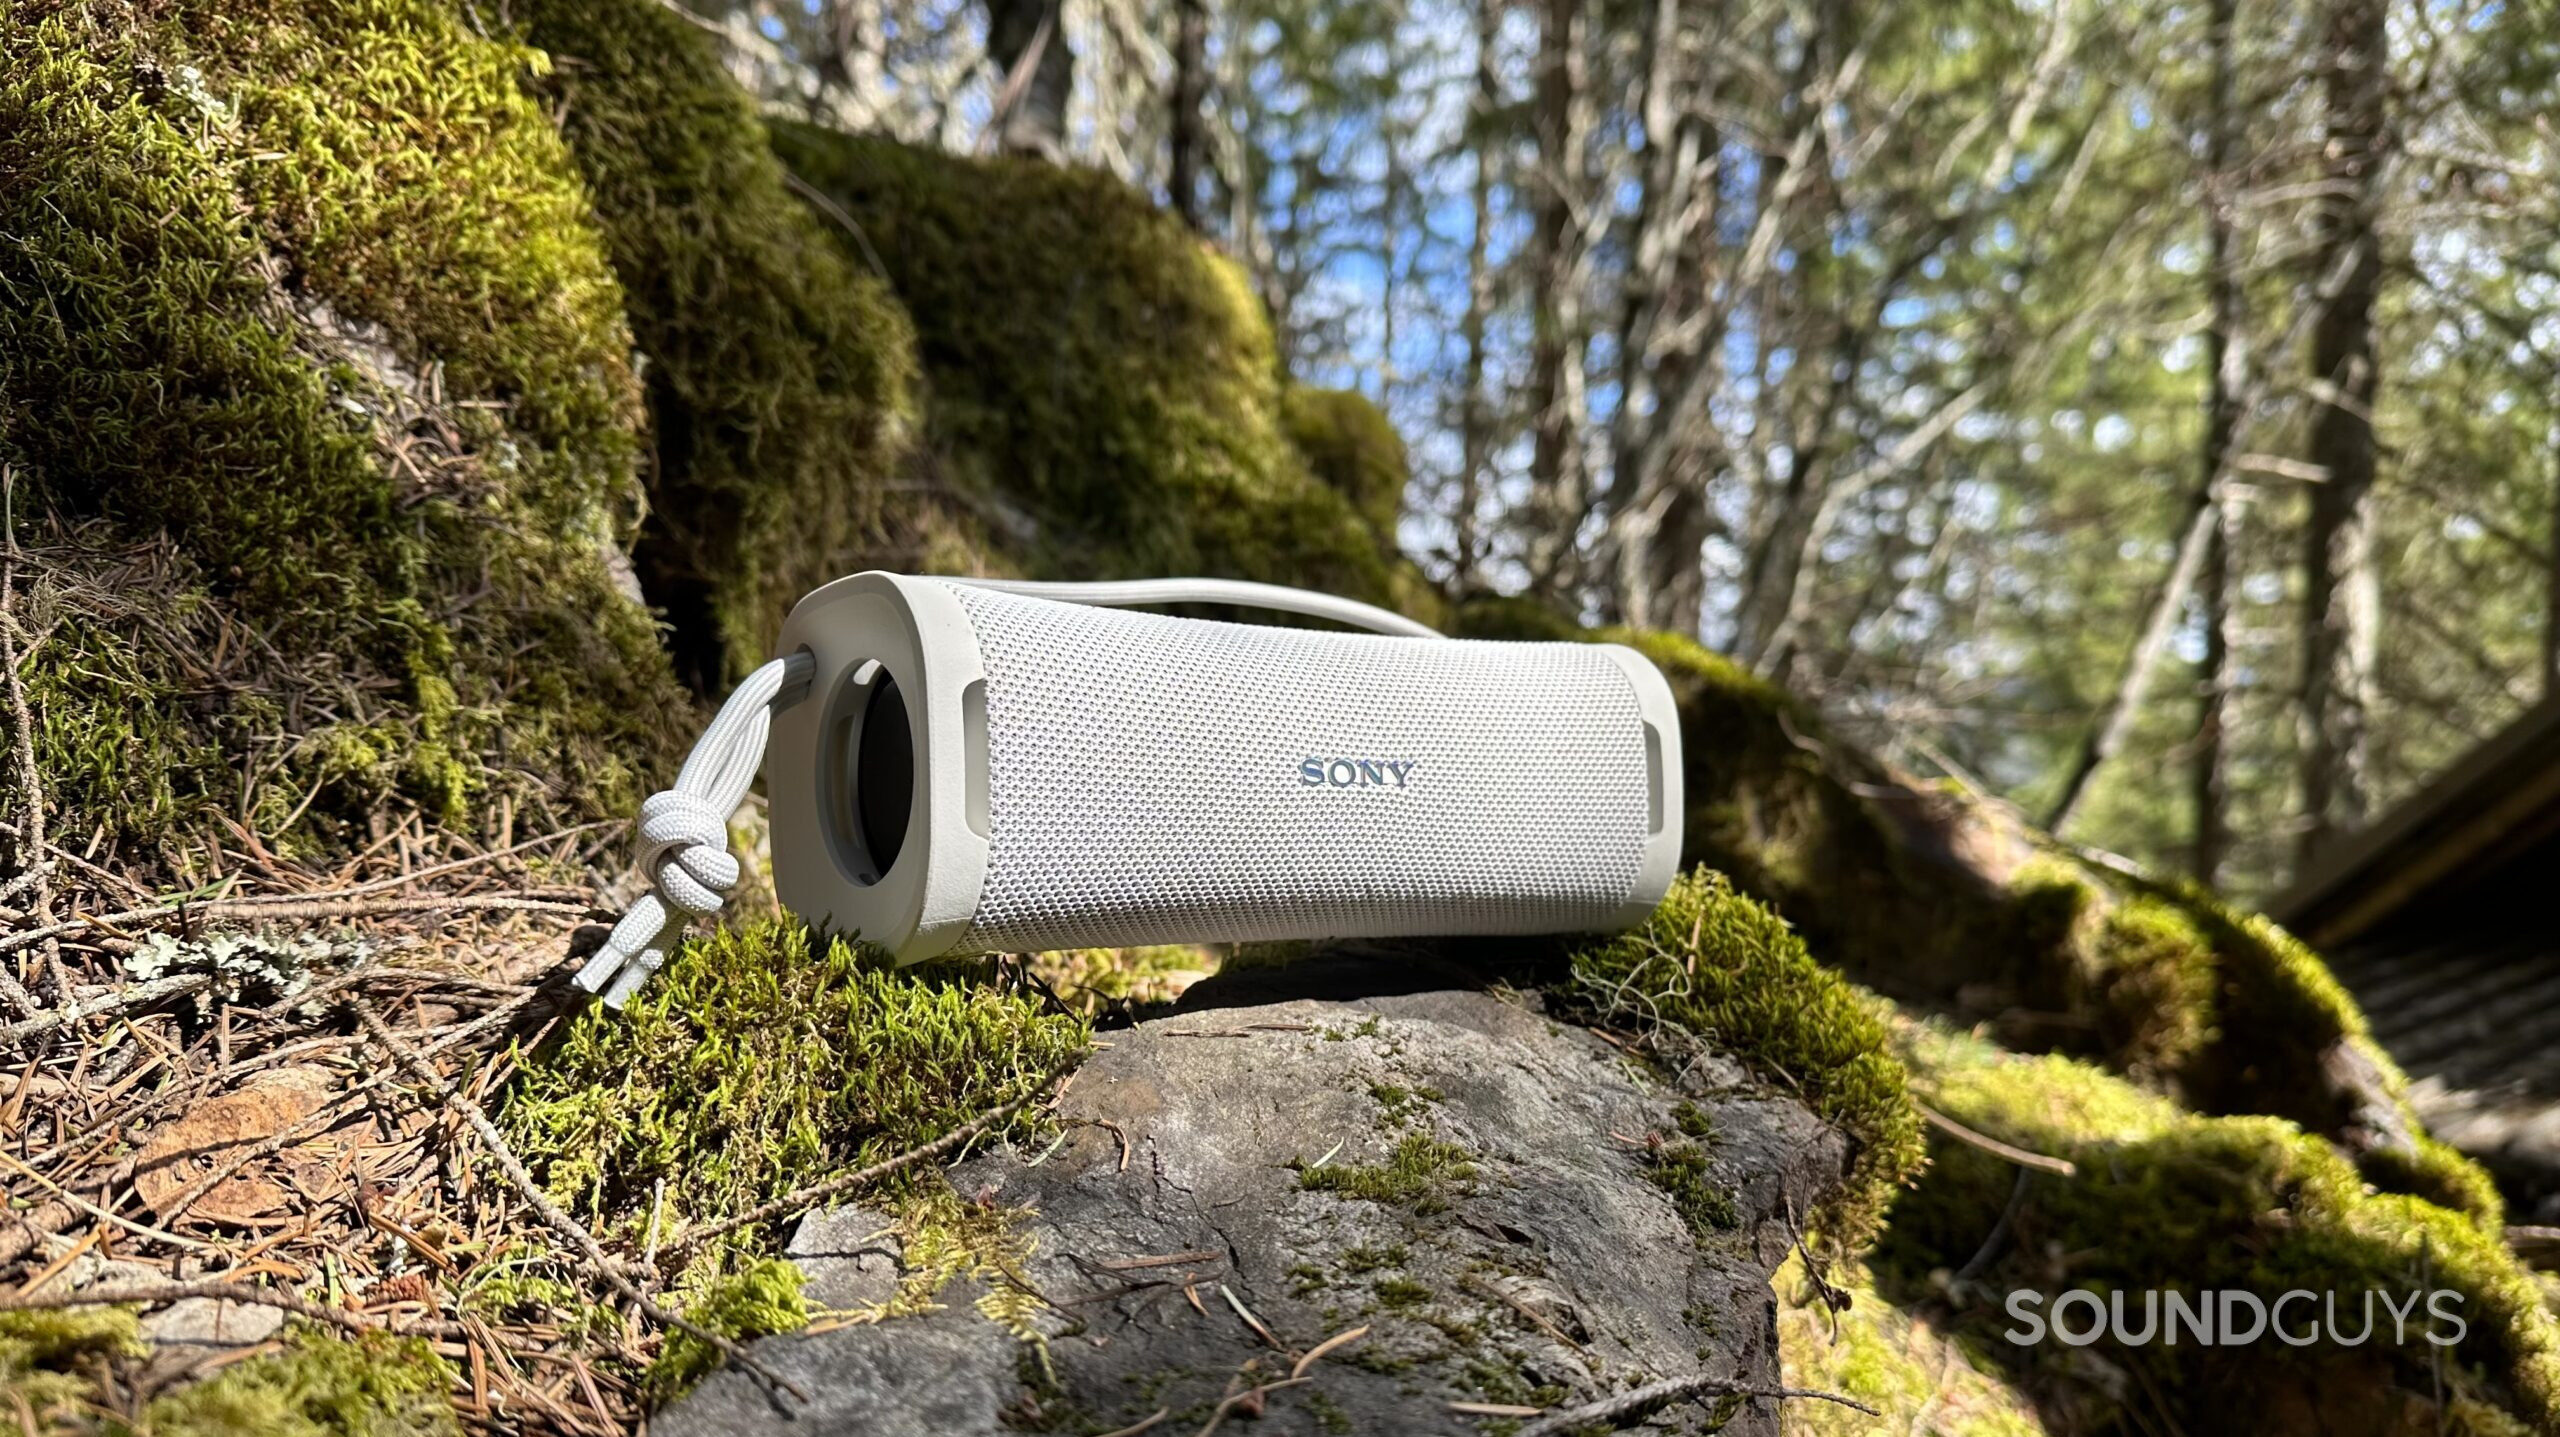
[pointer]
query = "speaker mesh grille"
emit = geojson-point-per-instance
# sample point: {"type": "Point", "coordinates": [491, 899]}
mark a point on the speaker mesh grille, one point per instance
{"type": "Point", "coordinates": [1145, 782]}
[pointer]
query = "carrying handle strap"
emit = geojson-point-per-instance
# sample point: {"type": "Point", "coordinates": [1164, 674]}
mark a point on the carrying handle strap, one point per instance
{"type": "Point", "coordinates": [684, 830]}
{"type": "Point", "coordinates": [1279, 598]}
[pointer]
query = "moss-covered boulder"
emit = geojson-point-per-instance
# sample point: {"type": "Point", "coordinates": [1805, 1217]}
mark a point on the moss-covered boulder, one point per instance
{"type": "Point", "coordinates": [2162, 1199]}
{"type": "Point", "coordinates": [319, 409]}
{"type": "Point", "coordinates": [1940, 897]}
{"type": "Point", "coordinates": [1713, 967]}
{"type": "Point", "coordinates": [1349, 443]}
{"type": "Point", "coordinates": [779, 369]}
{"type": "Point", "coordinates": [1103, 385]}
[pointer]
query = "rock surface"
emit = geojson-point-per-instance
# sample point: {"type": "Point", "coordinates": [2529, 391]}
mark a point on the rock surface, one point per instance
{"type": "Point", "coordinates": [1478, 1187]}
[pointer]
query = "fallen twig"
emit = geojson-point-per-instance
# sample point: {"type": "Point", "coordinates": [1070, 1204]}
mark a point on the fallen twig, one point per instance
{"type": "Point", "coordinates": [329, 1112]}
{"type": "Point", "coordinates": [140, 995]}
{"type": "Point", "coordinates": [1322, 1349]}
{"type": "Point", "coordinates": [1251, 1394]}
{"type": "Point", "coordinates": [2059, 1167]}
{"type": "Point", "coordinates": [550, 1213]}
{"type": "Point", "coordinates": [685, 1246]}
{"type": "Point", "coordinates": [315, 906]}
{"type": "Point", "coordinates": [31, 842]}
{"type": "Point", "coordinates": [1655, 1394]}
{"type": "Point", "coordinates": [153, 1294]}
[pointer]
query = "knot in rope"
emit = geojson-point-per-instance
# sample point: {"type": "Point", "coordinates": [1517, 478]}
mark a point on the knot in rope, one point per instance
{"type": "Point", "coordinates": [684, 833]}
{"type": "Point", "coordinates": [684, 848]}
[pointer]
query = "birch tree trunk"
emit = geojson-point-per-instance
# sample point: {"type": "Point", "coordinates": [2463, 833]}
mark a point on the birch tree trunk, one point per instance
{"type": "Point", "coordinates": [1640, 552]}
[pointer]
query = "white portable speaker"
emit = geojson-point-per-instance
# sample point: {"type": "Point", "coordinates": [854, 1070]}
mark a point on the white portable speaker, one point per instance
{"type": "Point", "coordinates": [963, 766]}
{"type": "Point", "coordinates": [982, 771]}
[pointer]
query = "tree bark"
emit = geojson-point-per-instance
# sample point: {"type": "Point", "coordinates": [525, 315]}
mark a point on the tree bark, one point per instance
{"type": "Point", "coordinates": [1475, 405]}
{"type": "Point", "coordinates": [2202, 553]}
{"type": "Point", "coordinates": [2551, 555]}
{"type": "Point", "coordinates": [2114, 719]}
{"type": "Point", "coordinates": [1641, 545]}
{"type": "Point", "coordinates": [1557, 387]}
{"type": "Point", "coordinates": [1035, 73]}
{"type": "Point", "coordinates": [2226, 361]}
{"type": "Point", "coordinates": [2340, 610]}
{"type": "Point", "coordinates": [1188, 129]}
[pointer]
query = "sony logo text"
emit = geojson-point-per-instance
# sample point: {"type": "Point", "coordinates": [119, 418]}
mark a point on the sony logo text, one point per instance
{"type": "Point", "coordinates": [1355, 772]}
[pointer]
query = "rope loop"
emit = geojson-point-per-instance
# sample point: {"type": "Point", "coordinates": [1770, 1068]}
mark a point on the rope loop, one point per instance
{"type": "Point", "coordinates": [683, 833]}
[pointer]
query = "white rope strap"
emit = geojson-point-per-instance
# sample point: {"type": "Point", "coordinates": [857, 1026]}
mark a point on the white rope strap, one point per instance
{"type": "Point", "coordinates": [684, 832]}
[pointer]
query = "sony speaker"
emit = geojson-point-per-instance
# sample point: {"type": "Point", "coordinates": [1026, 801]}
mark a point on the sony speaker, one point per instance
{"type": "Point", "coordinates": [972, 769]}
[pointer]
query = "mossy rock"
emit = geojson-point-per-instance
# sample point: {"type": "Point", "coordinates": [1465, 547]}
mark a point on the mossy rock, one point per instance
{"type": "Point", "coordinates": [1104, 386]}
{"type": "Point", "coordinates": [780, 371]}
{"type": "Point", "coordinates": [1936, 897]}
{"type": "Point", "coordinates": [1919, 1375]}
{"type": "Point", "coordinates": [761, 1060]}
{"type": "Point", "coordinates": [319, 1385]}
{"type": "Point", "coordinates": [1726, 970]}
{"type": "Point", "coordinates": [312, 356]}
{"type": "Point", "coordinates": [2164, 1198]}
{"type": "Point", "coordinates": [1349, 443]}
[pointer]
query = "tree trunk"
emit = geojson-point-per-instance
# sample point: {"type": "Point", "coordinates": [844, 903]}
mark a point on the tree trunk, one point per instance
{"type": "Point", "coordinates": [1666, 217]}
{"type": "Point", "coordinates": [1556, 380]}
{"type": "Point", "coordinates": [1475, 412]}
{"type": "Point", "coordinates": [2113, 722]}
{"type": "Point", "coordinates": [2201, 553]}
{"type": "Point", "coordinates": [2226, 362]}
{"type": "Point", "coordinates": [2551, 559]}
{"type": "Point", "coordinates": [2340, 596]}
{"type": "Point", "coordinates": [1190, 140]}
{"type": "Point", "coordinates": [1027, 41]}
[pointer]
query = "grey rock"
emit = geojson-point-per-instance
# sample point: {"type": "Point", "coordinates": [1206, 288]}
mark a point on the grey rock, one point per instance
{"type": "Point", "coordinates": [1554, 1271]}
{"type": "Point", "coordinates": [849, 1255]}
{"type": "Point", "coordinates": [212, 1323]}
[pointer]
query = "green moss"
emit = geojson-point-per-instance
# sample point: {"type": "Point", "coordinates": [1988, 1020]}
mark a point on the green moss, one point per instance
{"type": "Point", "coordinates": [1728, 970]}
{"type": "Point", "coordinates": [2165, 1197]}
{"type": "Point", "coordinates": [308, 287]}
{"type": "Point", "coordinates": [1122, 980]}
{"type": "Point", "coordinates": [759, 1301]}
{"type": "Point", "coordinates": [1398, 1293]}
{"type": "Point", "coordinates": [1349, 443]}
{"type": "Point", "coordinates": [1681, 1170]}
{"type": "Point", "coordinates": [48, 1359]}
{"type": "Point", "coordinates": [1400, 1105]}
{"type": "Point", "coordinates": [1921, 1377]}
{"type": "Point", "coordinates": [780, 371]}
{"type": "Point", "coordinates": [1102, 454]}
{"type": "Point", "coordinates": [1421, 1173]}
{"type": "Point", "coordinates": [1496, 616]}
{"type": "Point", "coordinates": [757, 1063]}
{"type": "Point", "coordinates": [1357, 1260]}
{"type": "Point", "coordinates": [1692, 1120]}
{"type": "Point", "coordinates": [1936, 899]}
{"type": "Point", "coordinates": [320, 1385]}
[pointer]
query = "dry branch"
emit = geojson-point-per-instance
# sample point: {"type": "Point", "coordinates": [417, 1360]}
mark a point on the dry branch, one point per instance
{"type": "Point", "coordinates": [815, 1193]}
{"type": "Point", "coordinates": [1654, 1394]}
{"type": "Point", "coordinates": [558, 1221]}
{"type": "Point", "coordinates": [2059, 1167]}
{"type": "Point", "coordinates": [152, 1294]}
